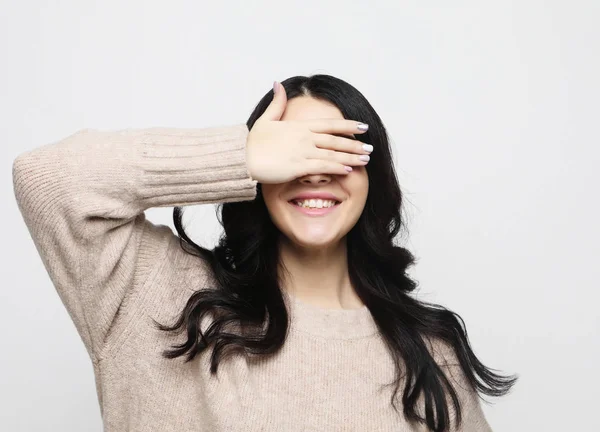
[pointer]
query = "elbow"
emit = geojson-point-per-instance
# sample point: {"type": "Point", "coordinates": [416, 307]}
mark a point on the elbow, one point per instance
{"type": "Point", "coordinates": [21, 170]}
{"type": "Point", "coordinates": [46, 165]}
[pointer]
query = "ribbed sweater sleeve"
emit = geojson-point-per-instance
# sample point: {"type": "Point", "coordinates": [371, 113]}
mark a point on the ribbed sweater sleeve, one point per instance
{"type": "Point", "coordinates": [83, 200]}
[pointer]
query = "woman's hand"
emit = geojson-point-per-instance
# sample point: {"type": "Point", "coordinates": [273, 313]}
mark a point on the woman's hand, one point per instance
{"type": "Point", "coordinates": [280, 151]}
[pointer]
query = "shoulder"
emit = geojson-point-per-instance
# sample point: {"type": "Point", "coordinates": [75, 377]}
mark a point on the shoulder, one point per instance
{"type": "Point", "coordinates": [444, 355]}
{"type": "Point", "coordinates": [442, 351]}
{"type": "Point", "coordinates": [473, 418]}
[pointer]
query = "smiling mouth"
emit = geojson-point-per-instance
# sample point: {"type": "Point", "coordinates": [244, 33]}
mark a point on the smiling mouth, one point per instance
{"type": "Point", "coordinates": [298, 203]}
{"type": "Point", "coordinates": [315, 211]}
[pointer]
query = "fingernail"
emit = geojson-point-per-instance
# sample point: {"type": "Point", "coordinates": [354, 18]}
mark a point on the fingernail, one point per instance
{"type": "Point", "coordinates": [348, 168]}
{"type": "Point", "coordinates": [363, 126]}
{"type": "Point", "coordinates": [364, 158]}
{"type": "Point", "coordinates": [274, 86]}
{"type": "Point", "coordinates": [368, 147]}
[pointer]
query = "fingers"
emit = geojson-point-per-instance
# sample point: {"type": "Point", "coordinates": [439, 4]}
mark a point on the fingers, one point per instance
{"type": "Point", "coordinates": [341, 144]}
{"type": "Point", "coordinates": [320, 166]}
{"type": "Point", "coordinates": [340, 126]}
{"type": "Point", "coordinates": [340, 157]}
{"type": "Point", "coordinates": [277, 106]}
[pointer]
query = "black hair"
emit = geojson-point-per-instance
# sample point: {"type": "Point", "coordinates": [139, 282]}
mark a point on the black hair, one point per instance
{"type": "Point", "coordinates": [247, 291]}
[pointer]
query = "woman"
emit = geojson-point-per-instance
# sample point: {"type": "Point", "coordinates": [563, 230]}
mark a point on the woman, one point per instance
{"type": "Point", "coordinates": [299, 320]}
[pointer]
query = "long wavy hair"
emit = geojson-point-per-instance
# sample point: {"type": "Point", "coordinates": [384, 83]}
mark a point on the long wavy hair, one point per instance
{"type": "Point", "coordinates": [247, 291]}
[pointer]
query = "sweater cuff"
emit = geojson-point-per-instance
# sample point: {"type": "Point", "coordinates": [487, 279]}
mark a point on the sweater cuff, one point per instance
{"type": "Point", "coordinates": [181, 167]}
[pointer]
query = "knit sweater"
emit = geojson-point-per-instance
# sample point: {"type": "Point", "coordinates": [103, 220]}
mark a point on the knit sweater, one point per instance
{"type": "Point", "coordinates": [83, 200]}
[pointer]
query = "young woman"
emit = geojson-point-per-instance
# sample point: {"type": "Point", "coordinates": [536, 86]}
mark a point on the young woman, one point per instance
{"type": "Point", "coordinates": [301, 319]}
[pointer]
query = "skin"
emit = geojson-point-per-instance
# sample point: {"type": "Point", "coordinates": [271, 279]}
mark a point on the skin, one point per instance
{"type": "Point", "coordinates": [313, 249]}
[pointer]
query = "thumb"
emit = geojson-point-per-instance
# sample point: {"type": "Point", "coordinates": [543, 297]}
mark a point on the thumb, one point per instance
{"type": "Point", "coordinates": [277, 106]}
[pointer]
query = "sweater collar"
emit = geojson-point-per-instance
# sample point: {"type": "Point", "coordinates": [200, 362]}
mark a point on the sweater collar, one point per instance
{"type": "Point", "coordinates": [330, 323]}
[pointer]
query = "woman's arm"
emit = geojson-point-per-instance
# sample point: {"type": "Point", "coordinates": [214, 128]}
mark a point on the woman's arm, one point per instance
{"type": "Point", "coordinates": [83, 200]}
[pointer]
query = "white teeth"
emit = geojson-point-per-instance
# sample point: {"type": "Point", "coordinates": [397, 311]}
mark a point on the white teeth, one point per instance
{"type": "Point", "coordinates": [315, 203]}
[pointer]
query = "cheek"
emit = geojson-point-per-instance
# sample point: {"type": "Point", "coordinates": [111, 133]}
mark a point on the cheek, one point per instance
{"type": "Point", "coordinates": [271, 193]}
{"type": "Point", "coordinates": [357, 184]}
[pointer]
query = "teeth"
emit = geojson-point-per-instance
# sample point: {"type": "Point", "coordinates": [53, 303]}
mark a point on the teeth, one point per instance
{"type": "Point", "coordinates": [315, 203]}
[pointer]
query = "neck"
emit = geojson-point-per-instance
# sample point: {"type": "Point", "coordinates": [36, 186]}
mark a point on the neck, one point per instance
{"type": "Point", "coordinates": [318, 276]}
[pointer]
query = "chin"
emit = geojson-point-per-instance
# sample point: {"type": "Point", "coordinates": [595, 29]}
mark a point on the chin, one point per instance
{"type": "Point", "coordinates": [315, 240]}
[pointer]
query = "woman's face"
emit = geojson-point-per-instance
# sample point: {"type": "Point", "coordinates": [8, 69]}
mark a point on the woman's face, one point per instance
{"type": "Point", "coordinates": [331, 224]}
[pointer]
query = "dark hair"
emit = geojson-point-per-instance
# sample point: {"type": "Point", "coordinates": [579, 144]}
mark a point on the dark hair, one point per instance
{"type": "Point", "coordinates": [245, 268]}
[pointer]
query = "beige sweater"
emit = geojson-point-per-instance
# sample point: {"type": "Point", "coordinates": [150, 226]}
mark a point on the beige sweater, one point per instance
{"type": "Point", "coordinates": [83, 200]}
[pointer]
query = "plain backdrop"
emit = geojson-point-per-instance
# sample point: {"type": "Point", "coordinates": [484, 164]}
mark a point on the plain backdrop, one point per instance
{"type": "Point", "coordinates": [492, 109]}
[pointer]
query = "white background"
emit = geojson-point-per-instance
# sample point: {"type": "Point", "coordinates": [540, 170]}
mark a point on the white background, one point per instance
{"type": "Point", "coordinates": [492, 108]}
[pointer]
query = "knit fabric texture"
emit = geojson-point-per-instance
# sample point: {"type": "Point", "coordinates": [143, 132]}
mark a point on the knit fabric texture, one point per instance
{"type": "Point", "coordinates": [83, 199]}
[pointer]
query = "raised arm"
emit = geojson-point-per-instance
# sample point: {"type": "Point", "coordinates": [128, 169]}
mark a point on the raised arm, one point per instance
{"type": "Point", "coordinates": [83, 200]}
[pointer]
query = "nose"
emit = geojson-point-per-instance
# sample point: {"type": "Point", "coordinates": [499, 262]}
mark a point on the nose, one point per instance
{"type": "Point", "coordinates": [315, 179]}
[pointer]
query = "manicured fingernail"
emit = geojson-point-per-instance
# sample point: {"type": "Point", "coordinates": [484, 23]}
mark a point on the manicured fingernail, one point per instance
{"type": "Point", "coordinates": [364, 158]}
{"type": "Point", "coordinates": [368, 147]}
{"type": "Point", "coordinates": [348, 168]}
{"type": "Point", "coordinates": [363, 126]}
